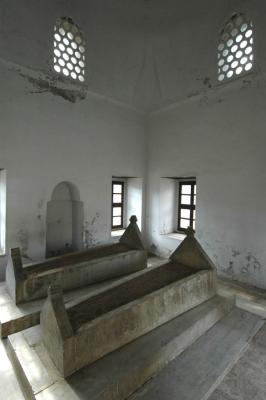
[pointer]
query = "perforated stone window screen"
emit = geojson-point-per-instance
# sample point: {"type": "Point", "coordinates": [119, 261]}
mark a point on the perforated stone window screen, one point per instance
{"type": "Point", "coordinates": [69, 50]}
{"type": "Point", "coordinates": [235, 48]}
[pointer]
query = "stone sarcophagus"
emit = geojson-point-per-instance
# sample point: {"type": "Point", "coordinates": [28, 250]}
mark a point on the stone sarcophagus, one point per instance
{"type": "Point", "coordinates": [99, 324]}
{"type": "Point", "coordinates": [78, 269]}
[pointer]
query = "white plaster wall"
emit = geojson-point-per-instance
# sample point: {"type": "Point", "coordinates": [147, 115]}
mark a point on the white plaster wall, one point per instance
{"type": "Point", "coordinates": [216, 133]}
{"type": "Point", "coordinates": [135, 200]}
{"type": "Point", "coordinates": [218, 137]}
{"type": "Point", "coordinates": [167, 205]}
{"type": "Point", "coordinates": [45, 140]}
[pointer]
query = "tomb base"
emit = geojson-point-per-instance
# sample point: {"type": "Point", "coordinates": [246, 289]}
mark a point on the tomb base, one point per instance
{"type": "Point", "coordinates": [118, 374]}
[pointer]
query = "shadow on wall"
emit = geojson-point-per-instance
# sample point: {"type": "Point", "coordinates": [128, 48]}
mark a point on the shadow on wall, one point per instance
{"type": "Point", "coordinates": [64, 220]}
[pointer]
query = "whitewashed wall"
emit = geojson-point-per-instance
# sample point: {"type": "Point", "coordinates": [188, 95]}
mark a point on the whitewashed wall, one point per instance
{"type": "Point", "coordinates": [45, 140]}
{"type": "Point", "coordinates": [220, 139]}
{"type": "Point", "coordinates": [216, 133]}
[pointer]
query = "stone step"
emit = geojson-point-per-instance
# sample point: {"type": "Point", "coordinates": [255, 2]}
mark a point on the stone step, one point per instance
{"type": "Point", "coordinates": [246, 380]}
{"type": "Point", "coordinates": [120, 373]}
{"type": "Point", "coordinates": [9, 386]}
{"type": "Point", "coordinates": [247, 298]}
{"type": "Point", "coordinates": [197, 372]}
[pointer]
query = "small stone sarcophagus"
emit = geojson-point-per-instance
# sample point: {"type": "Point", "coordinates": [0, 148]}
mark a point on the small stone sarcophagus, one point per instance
{"type": "Point", "coordinates": [78, 269]}
{"type": "Point", "coordinates": [98, 325]}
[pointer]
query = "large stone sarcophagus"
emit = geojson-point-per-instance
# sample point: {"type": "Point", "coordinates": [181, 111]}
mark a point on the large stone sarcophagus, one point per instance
{"type": "Point", "coordinates": [99, 324]}
{"type": "Point", "coordinates": [78, 269]}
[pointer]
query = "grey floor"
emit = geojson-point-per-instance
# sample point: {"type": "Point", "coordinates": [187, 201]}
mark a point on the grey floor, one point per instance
{"type": "Point", "coordinates": [9, 387]}
{"type": "Point", "coordinates": [226, 363]}
{"type": "Point", "coordinates": [247, 379]}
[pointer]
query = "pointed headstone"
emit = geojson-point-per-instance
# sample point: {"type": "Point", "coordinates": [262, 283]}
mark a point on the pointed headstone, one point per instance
{"type": "Point", "coordinates": [132, 235]}
{"type": "Point", "coordinates": [55, 309]}
{"type": "Point", "coordinates": [191, 254]}
{"type": "Point", "coordinates": [16, 262]}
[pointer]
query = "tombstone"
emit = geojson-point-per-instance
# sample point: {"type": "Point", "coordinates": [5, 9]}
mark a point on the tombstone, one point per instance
{"type": "Point", "coordinates": [79, 335]}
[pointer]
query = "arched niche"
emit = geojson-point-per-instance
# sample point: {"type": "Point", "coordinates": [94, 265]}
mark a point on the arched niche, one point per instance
{"type": "Point", "coordinates": [64, 220]}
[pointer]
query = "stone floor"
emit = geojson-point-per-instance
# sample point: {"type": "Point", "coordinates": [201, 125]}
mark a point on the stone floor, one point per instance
{"type": "Point", "coordinates": [9, 387]}
{"type": "Point", "coordinates": [246, 380]}
{"type": "Point", "coordinates": [206, 364]}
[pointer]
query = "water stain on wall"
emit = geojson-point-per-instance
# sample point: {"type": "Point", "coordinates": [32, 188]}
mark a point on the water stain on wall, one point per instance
{"type": "Point", "coordinates": [235, 253]}
{"type": "Point", "coordinates": [23, 240]}
{"type": "Point", "coordinates": [90, 230]}
{"type": "Point", "coordinates": [242, 264]}
{"type": "Point", "coordinates": [207, 82]}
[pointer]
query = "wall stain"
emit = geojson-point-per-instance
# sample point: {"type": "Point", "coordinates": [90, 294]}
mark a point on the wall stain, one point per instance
{"type": "Point", "coordinates": [230, 269]}
{"type": "Point", "coordinates": [243, 264]}
{"type": "Point", "coordinates": [193, 94]}
{"type": "Point", "coordinates": [23, 240]}
{"type": "Point", "coordinates": [247, 82]}
{"type": "Point", "coordinates": [245, 270]}
{"type": "Point", "coordinates": [204, 101]}
{"type": "Point", "coordinates": [90, 231]}
{"type": "Point", "coordinates": [153, 248]}
{"type": "Point", "coordinates": [48, 84]}
{"type": "Point", "coordinates": [207, 82]}
{"type": "Point", "coordinates": [235, 253]}
{"type": "Point", "coordinates": [40, 204]}
{"type": "Point", "coordinates": [63, 250]}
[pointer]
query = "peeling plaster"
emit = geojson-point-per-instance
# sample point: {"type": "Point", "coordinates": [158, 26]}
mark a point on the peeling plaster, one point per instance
{"type": "Point", "coordinates": [49, 85]}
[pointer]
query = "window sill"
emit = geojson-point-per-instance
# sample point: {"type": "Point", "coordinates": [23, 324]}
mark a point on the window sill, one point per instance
{"type": "Point", "coordinates": [117, 233]}
{"type": "Point", "coordinates": [175, 235]}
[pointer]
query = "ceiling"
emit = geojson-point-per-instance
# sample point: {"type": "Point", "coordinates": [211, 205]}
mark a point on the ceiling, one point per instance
{"type": "Point", "coordinates": [145, 53]}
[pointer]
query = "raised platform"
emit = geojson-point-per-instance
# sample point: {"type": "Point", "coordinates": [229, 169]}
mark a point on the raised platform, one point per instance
{"type": "Point", "coordinates": [118, 374]}
{"type": "Point", "coordinates": [248, 298]}
{"type": "Point", "coordinates": [9, 386]}
{"type": "Point", "coordinates": [78, 269]}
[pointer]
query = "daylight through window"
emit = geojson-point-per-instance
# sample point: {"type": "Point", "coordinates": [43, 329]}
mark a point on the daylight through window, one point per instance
{"type": "Point", "coordinates": [69, 49]}
{"type": "Point", "coordinates": [117, 204]}
{"type": "Point", "coordinates": [187, 205]}
{"type": "Point", "coordinates": [235, 48]}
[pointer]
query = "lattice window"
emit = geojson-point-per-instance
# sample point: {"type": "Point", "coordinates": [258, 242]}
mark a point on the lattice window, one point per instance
{"type": "Point", "coordinates": [118, 197]}
{"type": "Point", "coordinates": [187, 205]}
{"type": "Point", "coordinates": [69, 49]}
{"type": "Point", "coordinates": [235, 48]}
